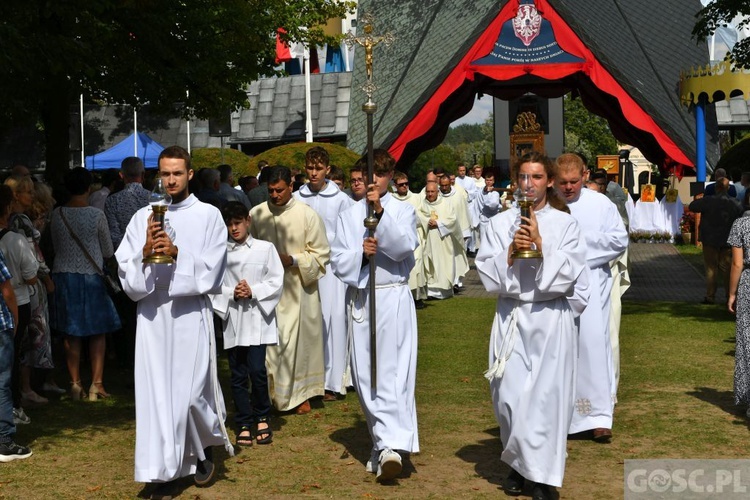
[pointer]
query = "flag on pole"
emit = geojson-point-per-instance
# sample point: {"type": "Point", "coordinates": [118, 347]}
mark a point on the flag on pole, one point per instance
{"type": "Point", "coordinates": [283, 54]}
{"type": "Point", "coordinates": [334, 59]}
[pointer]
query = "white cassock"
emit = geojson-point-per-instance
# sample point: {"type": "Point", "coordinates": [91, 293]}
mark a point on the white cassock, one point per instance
{"type": "Point", "coordinates": [472, 192]}
{"type": "Point", "coordinates": [605, 239]}
{"type": "Point", "coordinates": [295, 366]}
{"type": "Point", "coordinates": [250, 322]}
{"type": "Point", "coordinates": [620, 285]}
{"type": "Point", "coordinates": [534, 340]}
{"type": "Point", "coordinates": [487, 205]}
{"type": "Point", "coordinates": [390, 410]}
{"type": "Point", "coordinates": [179, 407]}
{"type": "Point", "coordinates": [417, 280]}
{"type": "Point", "coordinates": [443, 248]}
{"type": "Point", "coordinates": [329, 203]}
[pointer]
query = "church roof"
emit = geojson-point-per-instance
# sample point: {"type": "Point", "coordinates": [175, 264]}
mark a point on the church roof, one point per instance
{"type": "Point", "coordinates": [643, 48]}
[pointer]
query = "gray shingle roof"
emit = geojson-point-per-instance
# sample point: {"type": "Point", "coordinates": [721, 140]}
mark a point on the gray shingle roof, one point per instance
{"type": "Point", "coordinates": [644, 44]}
{"type": "Point", "coordinates": [276, 114]}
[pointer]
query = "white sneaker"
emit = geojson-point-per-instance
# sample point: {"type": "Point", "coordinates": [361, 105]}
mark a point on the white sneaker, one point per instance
{"type": "Point", "coordinates": [372, 464]}
{"type": "Point", "coordinates": [389, 465]}
{"type": "Point", "coordinates": [20, 417]}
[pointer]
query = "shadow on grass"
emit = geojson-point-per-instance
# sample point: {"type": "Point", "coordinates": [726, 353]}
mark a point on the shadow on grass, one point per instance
{"type": "Point", "coordinates": [679, 310]}
{"type": "Point", "coordinates": [357, 443]}
{"type": "Point", "coordinates": [723, 400]}
{"type": "Point", "coordinates": [485, 455]}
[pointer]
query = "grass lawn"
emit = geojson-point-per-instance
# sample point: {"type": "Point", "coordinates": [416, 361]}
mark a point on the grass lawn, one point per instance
{"type": "Point", "coordinates": [675, 401]}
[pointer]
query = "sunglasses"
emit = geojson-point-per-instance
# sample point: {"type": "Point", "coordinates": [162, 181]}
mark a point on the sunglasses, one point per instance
{"type": "Point", "coordinates": [402, 184]}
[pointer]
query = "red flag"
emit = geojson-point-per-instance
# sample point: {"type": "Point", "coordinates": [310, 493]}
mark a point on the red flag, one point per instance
{"type": "Point", "coordinates": [314, 64]}
{"type": "Point", "coordinates": [283, 54]}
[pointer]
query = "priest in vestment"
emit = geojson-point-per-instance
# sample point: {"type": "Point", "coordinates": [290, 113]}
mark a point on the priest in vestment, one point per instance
{"type": "Point", "coordinates": [606, 239]}
{"type": "Point", "coordinates": [417, 280]}
{"type": "Point", "coordinates": [178, 401]}
{"type": "Point", "coordinates": [390, 408]}
{"type": "Point", "coordinates": [456, 197]}
{"type": "Point", "coordinates": [296, 368]}
{"type": "Point", "coordinates": [534, 339]}
{"type": "Point", "coordinates": [328, 201]}
{"type": "Point", "coordinates": [443, 245]}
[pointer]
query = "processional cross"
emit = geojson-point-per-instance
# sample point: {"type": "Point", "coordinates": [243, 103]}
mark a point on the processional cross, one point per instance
{"type": "Point", "coordinates": [368, 42]}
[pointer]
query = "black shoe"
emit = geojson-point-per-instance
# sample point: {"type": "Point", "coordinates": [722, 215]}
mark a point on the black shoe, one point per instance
{"type": "Point", "coordinates": [513, 484]}
{"type": "Point", "coordinates": [164, 491]}
{"type": "Point", "coordinates": [205, 469]}
{"type": "Point", "coordinates": [541, 492]}
{"type": "Point", "coordinates": [12, 451]}
{"type": "Point", "coordinates": [456, 289]}
{"type": "Point", "coordinates": [419, 304]}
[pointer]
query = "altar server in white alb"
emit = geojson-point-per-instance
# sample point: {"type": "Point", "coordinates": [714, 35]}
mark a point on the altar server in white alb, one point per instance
{"type": "Point", "coordinates": [487, 203]}
{"type": "Point", "coordinates": [534, 338]}
{"type": "Point", "coordinates": [328, 201]}
{"type": "Point", "coordinates": [390, 408]}
{"type": "Point", "coordinates": [247, 304]}
{"type": "Point", "coordinates": [178, 401]}
{"type": "Point", "coordinates": [605, 238]}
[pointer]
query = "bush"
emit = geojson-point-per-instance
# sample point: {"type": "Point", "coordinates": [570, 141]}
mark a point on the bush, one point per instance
{"type": "Point", "coordinates": [212, 157]}
{"type": "Point", "coordinates": [293, 155]}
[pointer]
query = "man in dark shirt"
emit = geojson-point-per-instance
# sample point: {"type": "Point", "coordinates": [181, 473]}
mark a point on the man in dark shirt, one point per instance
{"type": "Point", "coordinates": [718, 213]}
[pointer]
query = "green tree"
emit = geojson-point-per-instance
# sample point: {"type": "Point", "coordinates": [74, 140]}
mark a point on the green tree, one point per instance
{"type": "Point", "coordinates": [442, 156]}
{"type": "Point", "coordinates": [585, 132]}
{"type": "Point", "coordinates": [722, 12]}
{"type": "Point", "coordinates": [198, 54]}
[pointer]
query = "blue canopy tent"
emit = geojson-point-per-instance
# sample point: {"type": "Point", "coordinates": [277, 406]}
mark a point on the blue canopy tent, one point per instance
{"type": "Point", "coordinates": [148, 151]}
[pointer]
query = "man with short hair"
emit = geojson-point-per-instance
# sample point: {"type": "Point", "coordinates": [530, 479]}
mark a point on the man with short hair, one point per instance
{"type": "Point", "coordinates": [121, 206]}
{"type": "Point", "coordinates": [119, 209]}
{"type": "Point", "coordinates": [210, 182]}
{"type": "Point", "coordinates": [718, 213]}
{"type": "Point", "coordinates": [487, 203]}
{"type": "Point", "coordinates": [478, 179]}
{"type": "Point", "coordinates": [226, 188]}
{"type": "Point", "coordinates": [460, 207]}
{"type": "Point", "coordinates": [179, 406]}
{"type": "Point", "coordinates": [390, 407]}
{"type": "Point", "coordinates": [605, 239]}
{"type": "Point", "coordinates": [357, 180]}
{"type": "Point", "coordinates": [328, 201]}
{"type": "Point", "coordinates": [259, 194]}
{"type": "Point", "coordinates": [296, 368]}
{"type": "Point", "coordinates": [417, 283]}
{"type": "Point", "coordinates": [710, 189]}
{"type": "Point", "coordinates": [443, 244]}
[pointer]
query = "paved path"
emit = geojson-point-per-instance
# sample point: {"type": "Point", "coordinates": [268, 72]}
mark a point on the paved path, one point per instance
{"type": "Point", "coordinates": [657, 272]}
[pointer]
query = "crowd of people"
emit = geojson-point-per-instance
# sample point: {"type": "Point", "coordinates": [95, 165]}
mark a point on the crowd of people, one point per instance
{"type": "Point", "coordinates": [276, 271]}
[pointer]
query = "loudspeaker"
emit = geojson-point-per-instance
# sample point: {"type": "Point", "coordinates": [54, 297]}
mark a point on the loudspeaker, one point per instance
{"type": "Point", "coordinates": [220, 126]}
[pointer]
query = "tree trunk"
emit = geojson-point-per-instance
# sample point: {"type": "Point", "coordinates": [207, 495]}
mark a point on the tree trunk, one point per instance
{"type": "Point", "coordinates": [55, 114]}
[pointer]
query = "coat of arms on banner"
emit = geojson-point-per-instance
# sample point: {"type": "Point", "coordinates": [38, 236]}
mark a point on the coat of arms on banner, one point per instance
{"type": "Point", "coordinates": [527, 23]}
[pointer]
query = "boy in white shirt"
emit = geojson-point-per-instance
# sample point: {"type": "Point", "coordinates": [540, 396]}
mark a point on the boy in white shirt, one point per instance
{"type": "Point", "coordinates": [251, 290]}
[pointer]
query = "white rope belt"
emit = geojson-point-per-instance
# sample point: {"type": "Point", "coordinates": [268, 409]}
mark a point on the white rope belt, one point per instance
{"type": "Point", "coordinates": [506, 348]}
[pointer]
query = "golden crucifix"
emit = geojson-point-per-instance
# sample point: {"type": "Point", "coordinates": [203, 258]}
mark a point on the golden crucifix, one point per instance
{"type": "Point", "coordinates": [368, 42]}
